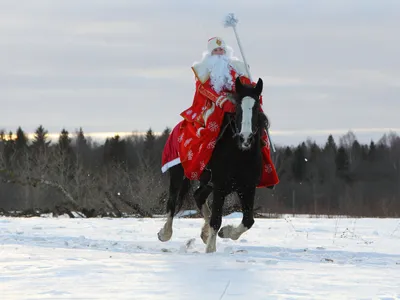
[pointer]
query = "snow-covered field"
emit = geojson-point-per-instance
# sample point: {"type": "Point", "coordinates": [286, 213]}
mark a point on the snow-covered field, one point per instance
{"type": "Point", "coordinates": [288, 258]}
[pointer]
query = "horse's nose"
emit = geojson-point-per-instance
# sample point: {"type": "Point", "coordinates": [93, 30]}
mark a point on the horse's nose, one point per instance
{"type": "Point", "coordinates": [246, 144]}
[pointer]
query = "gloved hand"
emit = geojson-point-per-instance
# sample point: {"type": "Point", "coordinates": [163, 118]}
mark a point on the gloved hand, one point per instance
{"type": "Point", "coordinates": [224, 103]}
{"type": "Point", "coordinates": [228, 106]}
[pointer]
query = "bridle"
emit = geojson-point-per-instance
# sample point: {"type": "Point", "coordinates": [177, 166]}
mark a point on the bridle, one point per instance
{"type": "Point", "coordinates": [235, 130]}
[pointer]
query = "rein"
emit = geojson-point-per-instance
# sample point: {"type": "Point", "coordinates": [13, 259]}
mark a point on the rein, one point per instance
{"type": "Point", "coordinates": [235, 130]}
{"type": "Point", "coordinates": [232, 124]}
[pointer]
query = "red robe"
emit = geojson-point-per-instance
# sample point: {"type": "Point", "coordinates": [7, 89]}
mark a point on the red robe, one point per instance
{"type": "Point", "coordinates": [170, 155]}
{"type": "Point", "coordinates": [199, 131]}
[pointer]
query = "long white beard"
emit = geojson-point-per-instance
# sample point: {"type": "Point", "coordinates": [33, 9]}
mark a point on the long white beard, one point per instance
{"type": "Point", "coordinates": [220, 76]}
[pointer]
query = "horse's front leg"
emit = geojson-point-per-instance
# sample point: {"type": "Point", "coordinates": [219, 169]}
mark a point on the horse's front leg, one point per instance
{"type": "Point", "coordinates": [216, 219]}
{"type": "Point", "coordinates": [246, 196]}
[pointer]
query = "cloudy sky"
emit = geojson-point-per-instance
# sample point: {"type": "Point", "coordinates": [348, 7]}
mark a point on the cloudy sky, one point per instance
{"type": "Point", "coordinates": [120, 65]}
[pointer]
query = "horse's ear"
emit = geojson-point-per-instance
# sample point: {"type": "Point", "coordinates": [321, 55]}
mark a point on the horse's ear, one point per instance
{"type": "Point", "coordinates": [238, 85]}
{"type": "Point", "coordinates": [259, 86]}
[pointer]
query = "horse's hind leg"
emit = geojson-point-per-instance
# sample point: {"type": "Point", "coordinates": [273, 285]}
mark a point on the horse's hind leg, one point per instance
{"type": "Point", "coordinates": [246, 196]}
{"type": "Point", "coordinates": [176, 179]}
{"type": "Point", "coordinates": [165, 233]}
{"type": "Point", "coordinates": [201, 195]}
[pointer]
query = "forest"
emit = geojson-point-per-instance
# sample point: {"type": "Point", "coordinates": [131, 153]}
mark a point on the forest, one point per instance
{"type": "Point", "coordinates": [122, 176]}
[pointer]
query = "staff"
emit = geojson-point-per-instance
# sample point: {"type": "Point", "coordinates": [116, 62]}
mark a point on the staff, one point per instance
{"type": "Point", "coordinates": [231, 21]}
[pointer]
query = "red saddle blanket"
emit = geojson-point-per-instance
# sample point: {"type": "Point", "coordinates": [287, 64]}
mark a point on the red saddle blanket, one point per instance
{"type": "Point", "coordinates": [185, 147]}
{"type": "Point", "coordinates": [170, 155]}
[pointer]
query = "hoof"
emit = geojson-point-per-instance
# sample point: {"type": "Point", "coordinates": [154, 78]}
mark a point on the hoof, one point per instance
{"type": "Point", "coordinates": [212, 241]}
{"type": "Point", "coordinates": [164, 236]}
{"type": "Point", "coordinates": [205, 232]}
{"type": "Point", "coordinates": [211, 249]}
{"type": "Point", "coordinates": [225, 232]}
{"type": "Point", "coordinates": [229, 232]}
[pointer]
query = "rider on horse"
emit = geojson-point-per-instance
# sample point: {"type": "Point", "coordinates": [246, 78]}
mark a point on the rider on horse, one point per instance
{"type": "Point", "coordinates": [197, 134]}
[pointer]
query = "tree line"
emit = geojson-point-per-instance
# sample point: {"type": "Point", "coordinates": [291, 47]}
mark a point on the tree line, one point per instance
{"type": "Point", "coordinates": [123, 176]}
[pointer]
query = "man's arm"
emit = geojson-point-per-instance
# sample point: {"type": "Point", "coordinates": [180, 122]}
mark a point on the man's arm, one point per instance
{"type": "Point", "coordinates": [220, 100]}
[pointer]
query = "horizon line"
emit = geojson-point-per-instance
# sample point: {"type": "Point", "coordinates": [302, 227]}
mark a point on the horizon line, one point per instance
{"type": "Point", "coordinates": [102, 135]}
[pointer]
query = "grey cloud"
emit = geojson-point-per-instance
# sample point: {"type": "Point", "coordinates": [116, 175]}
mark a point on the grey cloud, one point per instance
{"type": "Point", "coordinates": [326, 64]}
{"type": "Point", "coordinates": [76, 82]}
{"type": "Point", "coordinates": [328, 108]}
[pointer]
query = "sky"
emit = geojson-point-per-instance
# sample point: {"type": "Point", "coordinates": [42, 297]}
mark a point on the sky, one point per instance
{"type": "Point", "coordinates": [328, 66]}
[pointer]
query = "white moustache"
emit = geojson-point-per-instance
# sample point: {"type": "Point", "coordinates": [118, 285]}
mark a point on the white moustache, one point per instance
{"type": "Point", "coordinates": [219, 68]}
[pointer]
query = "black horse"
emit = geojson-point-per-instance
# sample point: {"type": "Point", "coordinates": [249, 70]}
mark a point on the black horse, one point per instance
{"type": "Point", "coordinates": [235, 166]}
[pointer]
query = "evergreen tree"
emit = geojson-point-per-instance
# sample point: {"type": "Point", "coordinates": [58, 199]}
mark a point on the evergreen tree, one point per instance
{"type": "Point", "coordinates": [64, 142]}
{"type": "Point", "coordinates": [149, 141]}
{"type": "Point", "coordinates": [373, 168]}
{"type": "Point", "coordinates": [372, 152]}
{"type": "Point", "coordinates": [315, 151]}
{"type": "Point", "coordinates": [9, 149]}
{"type": "Point", "coordinates": [149, 149]}
{"type": "Point", "coordinates": [342, 160]}
{"type": "Point", "coordinates": [21, 147]}
{"type": "Point", "coordinates": [330, 145]}
{"type": "Point", "coordinates": [40, 142]}
{"type": "Point", "coordinates": [81, 142]}
{"type": "Point", "coordinates": [364, 152]}
{"type": "Point", "coordinates": [2, 135]}
{"type": "Point", "coordinates": [83, 151]}
{"type": "Point", "coordinates": [284, 162]}
{"type": "Point", "coordinates": [356, 149]}
{"type": "Point", "coordinates": [115, 150]}
{"type": "Point", "coordinates": [299, 164]}
{"type": "Point", "coordinates": [166, 132]}
{"type": "Point", "coordinates": [21, 140]}
{"type": "Point", "coordinates": [288, 153]}
{"type": "Point", "coordinates": [382, 152]}
{"type": "Point", "coordinates": [2, 140]}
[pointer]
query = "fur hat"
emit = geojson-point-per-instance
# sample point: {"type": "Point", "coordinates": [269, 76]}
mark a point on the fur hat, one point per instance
{"type": "Point", "coordinates": [214, 43]}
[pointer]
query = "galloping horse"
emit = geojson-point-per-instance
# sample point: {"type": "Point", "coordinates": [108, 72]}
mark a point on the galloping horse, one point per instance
{"type": "Point", "coordinates": [235, 165]}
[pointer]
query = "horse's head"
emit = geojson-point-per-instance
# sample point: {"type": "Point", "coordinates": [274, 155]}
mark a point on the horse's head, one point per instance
{"type": "Point", "coordinates": [249, 119]}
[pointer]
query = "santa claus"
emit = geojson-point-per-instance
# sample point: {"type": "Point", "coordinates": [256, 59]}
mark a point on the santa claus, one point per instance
{"type": "Point", "coordinates": [215, 78]}
{"type": "Point", "coordinates": [196, 135]}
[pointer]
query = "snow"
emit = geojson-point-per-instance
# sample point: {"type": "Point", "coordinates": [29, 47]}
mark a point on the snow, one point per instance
{"type": "Point", "coordinates": [286, 258]}
{"type": "Point", "coordinates": [186, 213]}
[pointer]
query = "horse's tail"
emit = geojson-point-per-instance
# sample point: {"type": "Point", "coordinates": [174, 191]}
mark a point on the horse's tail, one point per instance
{"type": "Point", "coordinates": [179, 188]}
{"type": "Point", "coordinates": [183, 196]}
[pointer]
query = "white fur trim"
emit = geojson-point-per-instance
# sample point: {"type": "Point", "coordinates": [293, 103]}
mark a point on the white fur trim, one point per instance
{"type": "Point", "coordinates": [198, 132]}
{"type": "Point", "coordinates": [208, 113]}
{"type": "Point", "coordinates": [170, 164]}
{"type": "Point", "coordinates": [214, 43]}
{"type": "Point", "coordinates": [239, 67]}
{"type": "Point", "coordinates": [221, 100]}
{"type": "Point", "coordinates": [201, 71]}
